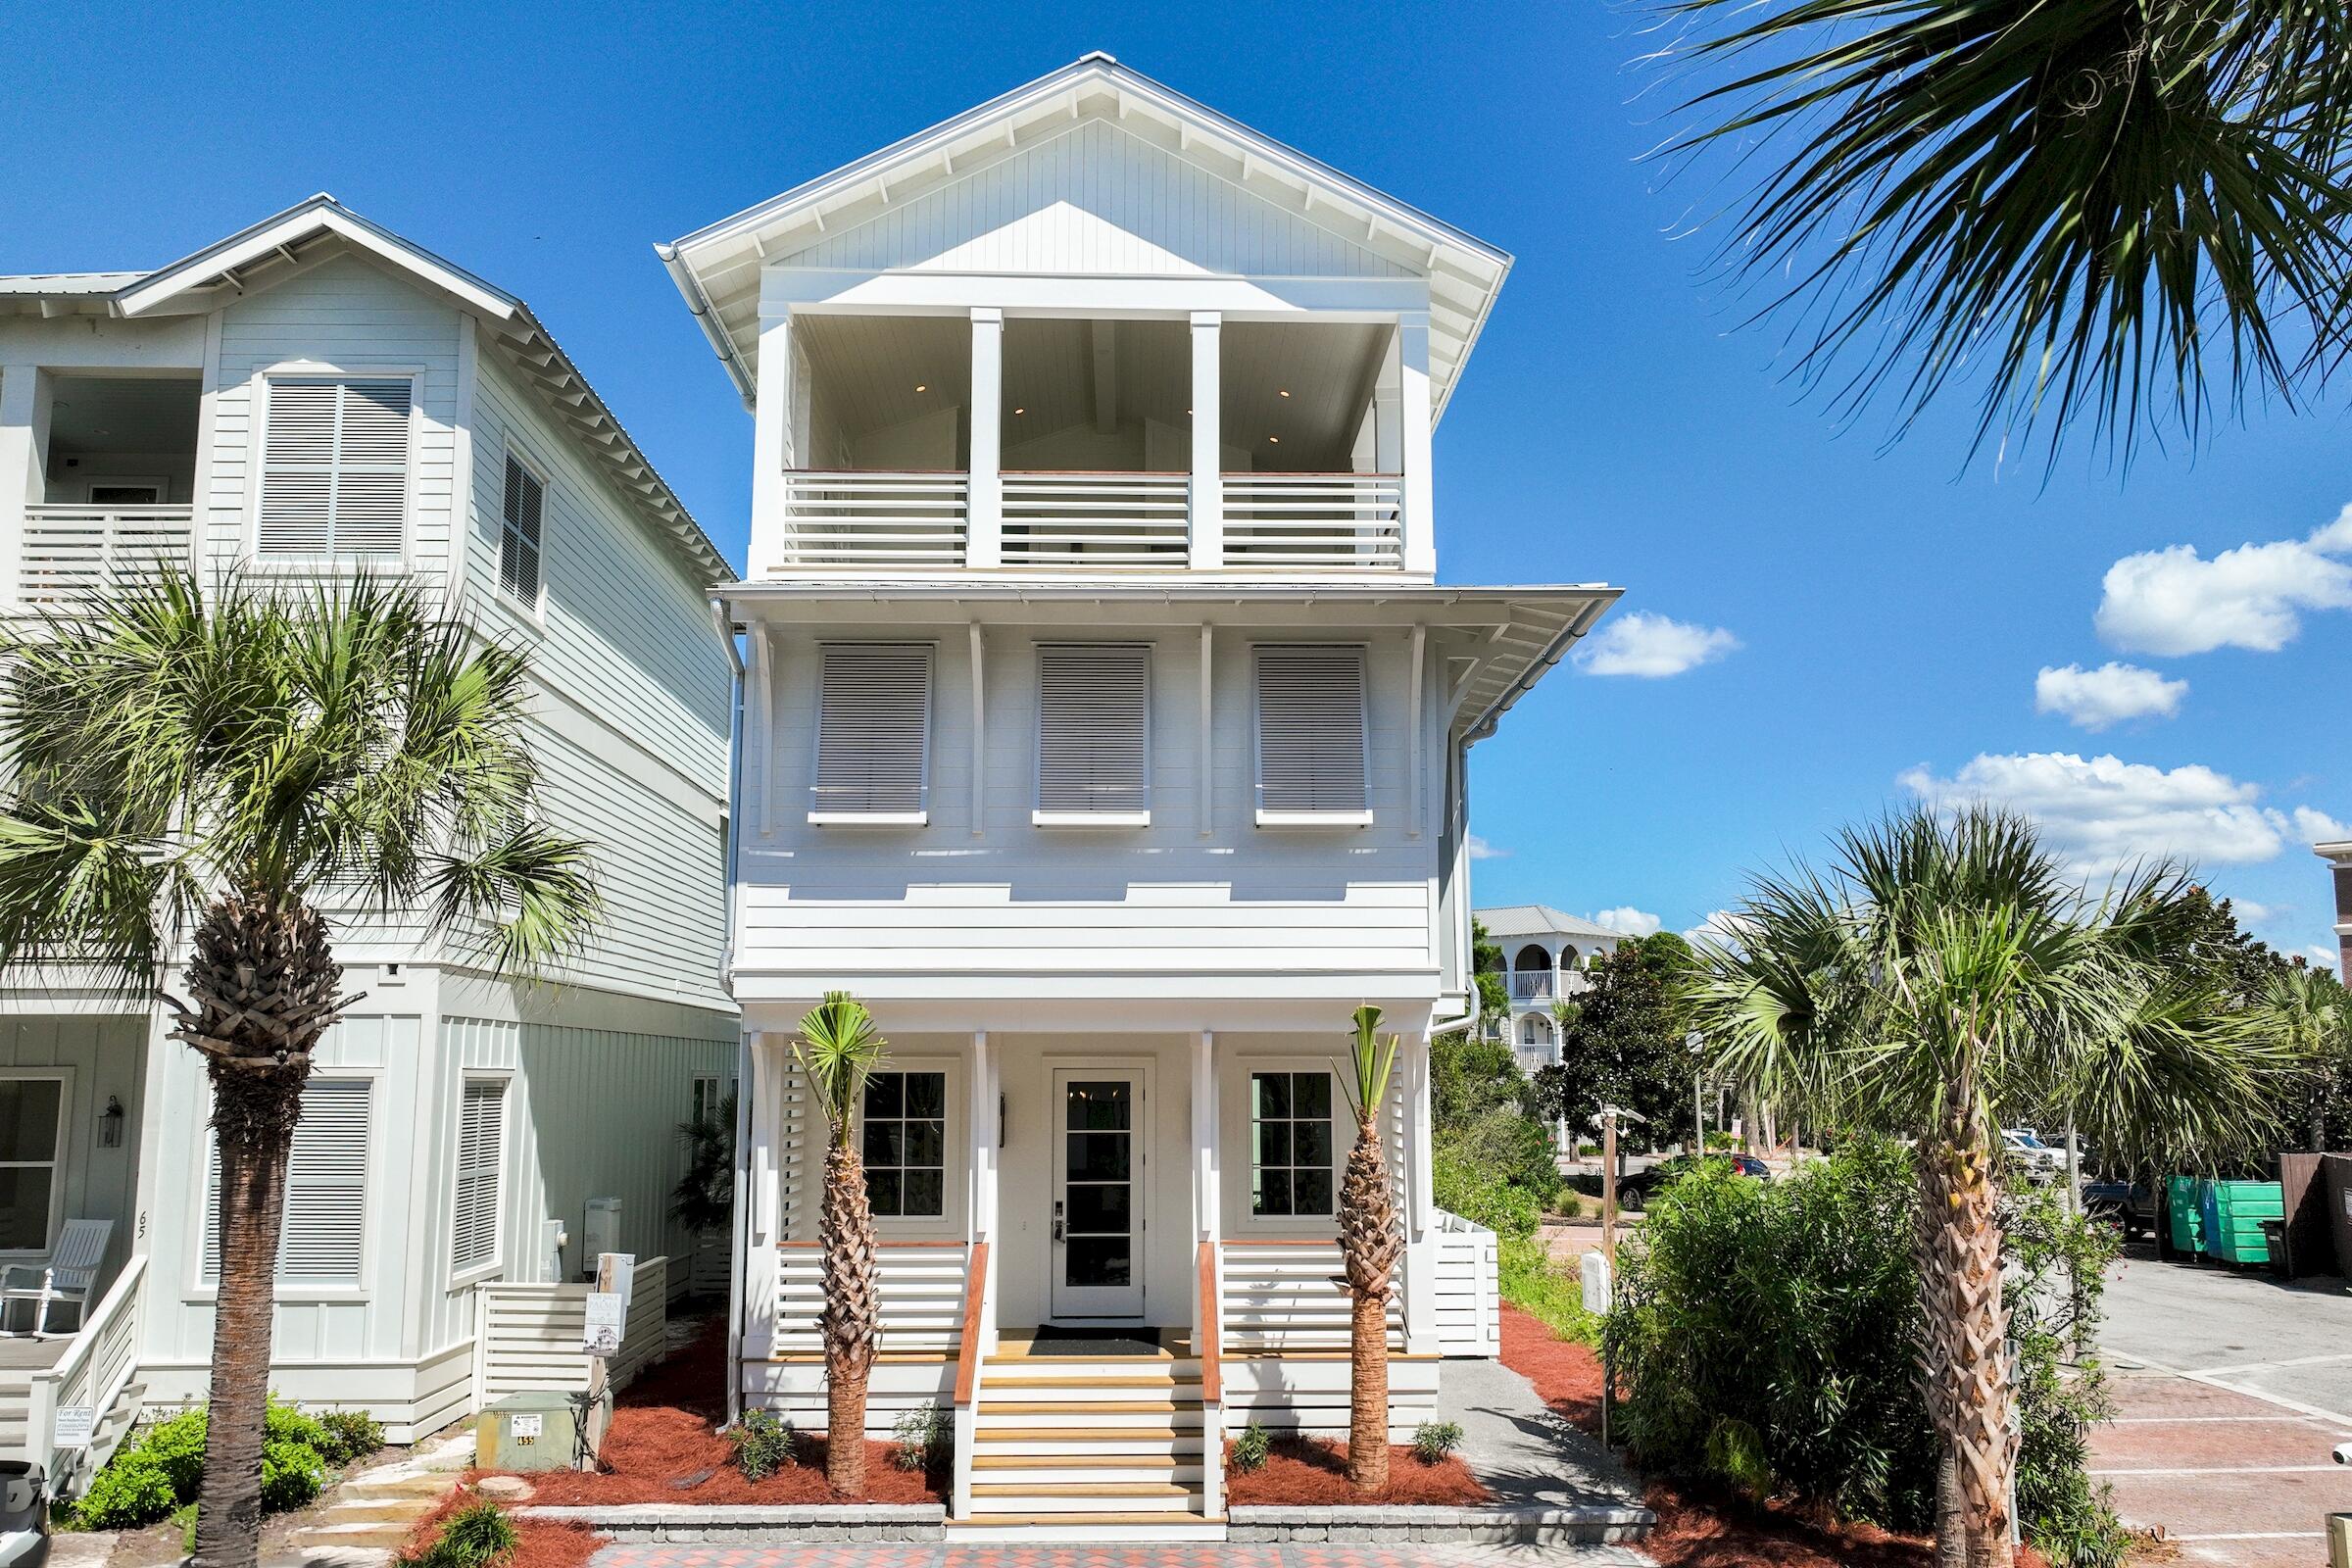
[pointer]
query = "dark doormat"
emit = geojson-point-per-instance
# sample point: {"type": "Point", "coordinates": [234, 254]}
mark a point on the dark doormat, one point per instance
{"type": "Point", "coordinates": [1052, 1340]}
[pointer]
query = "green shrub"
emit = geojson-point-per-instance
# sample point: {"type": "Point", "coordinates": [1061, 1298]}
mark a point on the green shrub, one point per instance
{"type": "Point", "coordinates": [178, 1444]}
{"type": "Point", "coordinates": [1250, 1447]}
{"type": "Point", "coordinates": [131, 1492]}
{"type": "Point", "coordinates": [1482, 1197]}
{"type": "Point", "coordinates": [1433, 1440]}
{"type": "Point", "coordinates": [763, 1443]}
{"type": "Point", "coordinates": [924, 1437]}
{"type": "Point", "coordinates": [477, 1536]}
{"type": "Point", "coordinates": [350, 1435]}
{"type": "Point", "coordinates": [292, 1474]}
{"type": "Point", "coordinates": [186, 1520]}
{"type": "Point", "coordinates": [1553, 1293]}
{"type": "Point", "coordinates": [159, 1471]}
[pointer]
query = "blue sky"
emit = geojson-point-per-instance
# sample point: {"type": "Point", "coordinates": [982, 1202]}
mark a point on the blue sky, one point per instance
{"type": "Point", "coordinates": [1890, 609]}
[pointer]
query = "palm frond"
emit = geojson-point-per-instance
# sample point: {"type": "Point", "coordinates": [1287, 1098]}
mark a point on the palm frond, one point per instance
{"type": "Point", "coordinates": [838, 1050]}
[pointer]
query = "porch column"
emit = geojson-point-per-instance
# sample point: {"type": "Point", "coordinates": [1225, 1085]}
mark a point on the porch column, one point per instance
{"type": "Point", "coordinates": [766, 1220]}
{"type": "Point", "coordinates": [982, 1116]}
{"type": "Point", "coordinates": [21, 479]}
{"type": "Point", "coordinates": [773, 449]}
{"type": "Point", "coordinates": [1208, 514]}
{"type": "Point", "coordinates": [1207, 1213]}
{"type": "Point", "coordinates": [1420, 1210]}
{"type": "Point", "coordinates": [1414, 411]}
{"type": "Point", "coordinates": [984, 499]}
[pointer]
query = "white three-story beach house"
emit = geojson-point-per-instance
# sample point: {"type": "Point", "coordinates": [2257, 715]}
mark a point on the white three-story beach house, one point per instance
{"type": "Point", "coordinates": [1104, 728]}
{"type": "Point", "coordinates": [309, 396]}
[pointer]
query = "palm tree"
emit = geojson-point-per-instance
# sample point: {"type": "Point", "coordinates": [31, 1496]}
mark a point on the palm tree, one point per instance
{"type": "Point", "coordinates": [2309, 1008]}
{"type": "Point", "coordinates": [839, 1049]}
{"type": "Point", "coordinates": [2072, 205]}
{"type": "Point", "coordinates": [204, 771]}
{"type": "Point", "coordinates": [1942, 973]}
{"type": "Point", "coordinates": [1369, 1241]}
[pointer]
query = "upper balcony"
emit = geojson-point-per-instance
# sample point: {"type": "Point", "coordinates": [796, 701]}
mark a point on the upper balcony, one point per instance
{"type": "Point", "coordinates": [1032, 444]}
{"type": "Point", "coordinates": [110, 471]}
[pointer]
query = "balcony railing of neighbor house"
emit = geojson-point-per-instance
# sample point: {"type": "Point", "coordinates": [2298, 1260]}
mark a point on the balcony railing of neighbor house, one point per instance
{"type": "Point", "coordinates": [66, 551]}
{"type": "Point", "coordinates": [874, 520]}
{"type": "Point", "coordinates": [527, 1338]}
{"type": "Point", "coordinates": [1096, 520]}
{"type": "Point", "coordinates": [1318, 522]}
{"type": "Point", "coordinates": [99, 1372]}
{"type": "Point", "coordinates": [1532, 987]}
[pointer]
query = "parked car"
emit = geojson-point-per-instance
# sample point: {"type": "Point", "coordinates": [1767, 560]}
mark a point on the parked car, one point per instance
{"type": "Point", "coordinates": [2130, 1207]}
{"type": "Point", "coordinates": [1635, 1191]}
{"type": "Point", "coordinates": [2040, 1161]}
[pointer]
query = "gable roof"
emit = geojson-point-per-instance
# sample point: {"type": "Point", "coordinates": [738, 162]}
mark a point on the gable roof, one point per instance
{"type": "Point", "coordinates": [258, 256]}
{"type": "Point", "coordinates": [717, 267]}
{"type": "Point", "coordinates": [1540, 920]}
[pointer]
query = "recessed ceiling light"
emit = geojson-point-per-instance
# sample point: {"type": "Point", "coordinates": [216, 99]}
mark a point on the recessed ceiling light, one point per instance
{"type": "Point", "coordinates": [1277, 440]}
{"type": "Point", "coordinates": [1020, 411]}
{"type": "Point", "coordinates": [1281, 392]}
{"type": "Point", "coordinates": [922, 386]}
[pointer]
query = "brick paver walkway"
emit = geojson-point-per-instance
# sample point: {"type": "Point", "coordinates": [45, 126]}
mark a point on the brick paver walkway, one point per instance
{"type": "Point", "coordinates": [1202, 1555]}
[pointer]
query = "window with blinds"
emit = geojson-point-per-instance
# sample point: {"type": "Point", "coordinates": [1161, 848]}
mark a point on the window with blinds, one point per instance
{"type": "Point", "coordinates": [1311, 762]}
{"type": "Point", "coordinates": [518, 532]}
{"type": "Point", "coordinates": [873, 727]}
{"type": "Point", "coordinates": [481, 1143]}
{"type": "Point", "coordinates": [1093, 732]}
{"type": "Point", "coordinates": [335, 466]}
{"type": "Point", "coordinates": [327, 1189]}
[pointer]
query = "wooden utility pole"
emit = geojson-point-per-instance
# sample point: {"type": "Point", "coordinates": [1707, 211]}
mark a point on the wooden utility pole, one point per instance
{"type": "Point", "coordinates": [1608, 1186]}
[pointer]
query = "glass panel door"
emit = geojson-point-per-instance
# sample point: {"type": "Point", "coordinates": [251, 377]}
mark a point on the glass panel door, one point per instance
{"type": "Point", "coordinates": [1098, 1209]}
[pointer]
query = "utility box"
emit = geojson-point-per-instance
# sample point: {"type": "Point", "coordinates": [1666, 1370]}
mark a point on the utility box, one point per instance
{"type": "Point", "coordinates": [599, 1233]}
{"type": "Point", "coordinates": [535, 1430]}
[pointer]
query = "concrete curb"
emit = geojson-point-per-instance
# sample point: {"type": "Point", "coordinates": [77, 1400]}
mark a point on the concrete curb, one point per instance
{"type": "Point", "coordinates": [1527, 1525]}
{"type": "Point", "coordinates": [748, 1524]}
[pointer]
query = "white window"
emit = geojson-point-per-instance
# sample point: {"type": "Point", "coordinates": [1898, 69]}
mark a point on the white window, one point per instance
{"type": "Point", "coordinates": [31, 1128]}
{"type": "Point", "coordinates": [1311, 763]}
{"type": "Point", "coordinates": [1291, 1144]}
{"type": "Point", "coordinates": [335, 466]}
{"type": "Point", "coordinates": [481, 1145]}
{"type": "Point", "coordinates": [520, 515]}
{"type": "Point", "coordinates": [1093, 734]}
{"type": "Point", "coordinates": [873, 728]}
{"type": "Point", "coordinates": [708, 1099]}
{"type": "Point", "coordinates": [904, 1144]}
{"type": "Point", "coordinates": [327, 1189]}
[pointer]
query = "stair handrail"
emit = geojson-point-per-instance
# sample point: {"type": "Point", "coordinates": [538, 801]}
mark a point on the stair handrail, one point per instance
{"type": "Point", "coordinates": [116, 1317]}
{"type": "Point", "coordinates": [1209, 1332]}
{"type": "Point", "coordinates": [967, 1374]}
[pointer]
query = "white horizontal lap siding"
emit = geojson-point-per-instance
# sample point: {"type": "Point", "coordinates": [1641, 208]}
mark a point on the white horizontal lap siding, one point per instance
{"type": "Point", "coordinates": [1095, 199]}
{"type": "Point", "coordinates": [347, 316]}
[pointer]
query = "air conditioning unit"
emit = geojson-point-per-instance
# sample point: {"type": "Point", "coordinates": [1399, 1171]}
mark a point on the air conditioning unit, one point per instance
{"type": "Point", "coordinates": [599, 1234]}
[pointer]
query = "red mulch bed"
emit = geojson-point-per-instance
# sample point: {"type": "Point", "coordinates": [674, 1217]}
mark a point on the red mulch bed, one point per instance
{"type": "Point", "coordinates": [540, 1545]}
{"type": "Point", "coordinates": [663, 1446]}
{"type": "Point", "coordinates": [1300, 1474]}
{"type": "Point", "coordinates": [1704, 1530]}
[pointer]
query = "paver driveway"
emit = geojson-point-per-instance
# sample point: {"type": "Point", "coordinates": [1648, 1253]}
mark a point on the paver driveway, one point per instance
{"type": "Point", "coordinates": [1113, 1556]}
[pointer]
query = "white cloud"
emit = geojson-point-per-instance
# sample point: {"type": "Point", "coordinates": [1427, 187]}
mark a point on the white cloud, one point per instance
{"type": "Point", "coordinates": [1641, 644]}
{"type": "Point", "coordinates": [2104, 812]}
{"type": "Point", "coordinates": [2318, 828]}
{"type": "Point", "coordinates": [2108, 695]}
{"type": "Point", "coordinates": [2246, 909]}
{"type": "Point", "coordinates": [1481, 850]}
{"type": "Point", "coordinates": [1721, 927]}
{"type": "Point", "coordinates": [1628, 919]}
{"type": "Point", "coordinates": [2173, 601]}
{"type": "Point", "coordinates": [2327, 957]}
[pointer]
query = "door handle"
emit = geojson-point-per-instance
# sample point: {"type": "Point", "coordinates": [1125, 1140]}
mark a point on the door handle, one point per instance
{"type": "Point", "coordinates": [1058, 1226]}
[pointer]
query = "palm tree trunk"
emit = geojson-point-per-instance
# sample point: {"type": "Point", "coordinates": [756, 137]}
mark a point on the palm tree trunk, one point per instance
{"type": "Point", "coordinates": [1368, 1393]}
{"type": "Point", "coordinates": [1368, 1247]}
{"type": "Point", "coordinates": [851, 1316]}
{"type": "Point", "coordinates": [1964, 1362]}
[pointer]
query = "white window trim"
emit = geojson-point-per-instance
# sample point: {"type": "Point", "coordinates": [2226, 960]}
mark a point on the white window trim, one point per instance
{"type": "Point", "coordinates": [257, 460]}
{"type": "Point", "coordinates": [533, 613]}
{"type": "Point", "coordinates": [817, 739]}
{"type": "Point", "coordinates": [948, 1224]}
{"type": "Point", "coordinates": [1038, 815]}
{"type": "Point", "coordinates": [63, 1077]}
{"type": "Point", "coordinates": [200, 1289]}
{"type": "Point", "coordinates": [1307, 819]}
{"type": "Point", "coordinates": [503, 1077]}
{"type": "Point", "coordinates": [1287, 1227]}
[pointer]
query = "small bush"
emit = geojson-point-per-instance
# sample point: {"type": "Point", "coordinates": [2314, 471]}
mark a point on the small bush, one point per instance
{"type": "Point", "coordinates": [131, 1492]}
{"type": "Point", "coordinates": [1553, 1293]}
{"type": "Point", "coordinates": [477, 1536]}
{"type": "Point", "coordinates": [1568, 1205]}
{"type": "Point", "coordinates": [292, 1474]}
{"type": "Point", "coordinates": [159, 1472]}
{"type": "Point", "coordinates": [763, 1443]}
{"type": "Point", "coordinates": [178, 1444]}
{"type": "Point", "coordinates": [351, 1435]}
{"type": "Point", "coordinates": [925, 1439]}
{"type": "Point", "coordinates": [1250, 1447]}
{"type": "Point", "coordinates": [1483, 1197]}
{"type": "Point", "coordinates": [186, 1520]}
{"type": "Point", "coordinates": [1433, 1440]}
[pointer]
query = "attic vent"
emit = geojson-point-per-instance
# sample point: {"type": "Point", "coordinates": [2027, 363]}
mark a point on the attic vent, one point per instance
{"type": "Point", "coordinates": [873, 723]}
{"type": "Point", "coordinates": [335, 466]}
{"type": "Point", "coordinates": [1093, 731]}
{"type": "Point", "coordinates": [1311, 762]}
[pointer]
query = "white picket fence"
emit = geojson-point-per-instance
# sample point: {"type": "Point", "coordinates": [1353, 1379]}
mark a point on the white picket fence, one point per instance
{"type": "Point", "coordinates": [527, 1338]}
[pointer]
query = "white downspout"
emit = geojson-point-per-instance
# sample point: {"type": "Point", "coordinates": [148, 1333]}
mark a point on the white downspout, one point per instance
{"type": "Point", "coordinates": [738, 1247]}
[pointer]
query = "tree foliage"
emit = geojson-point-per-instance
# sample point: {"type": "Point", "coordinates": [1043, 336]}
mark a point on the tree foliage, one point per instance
{"type": "Point", "coordinates": [1625, 1045]}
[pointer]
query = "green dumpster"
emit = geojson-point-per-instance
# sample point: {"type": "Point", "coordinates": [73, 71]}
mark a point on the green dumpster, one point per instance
{"type": "Point", "coordinates": [2232, 1214]}
{"type": "Point", "coordinates": [2181, 1204]}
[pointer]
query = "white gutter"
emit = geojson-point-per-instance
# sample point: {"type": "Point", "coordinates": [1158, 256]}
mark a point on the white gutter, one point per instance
{"type": "Point", "coordinates": [707, 315]}
{"type": "Point", "coordinates": [1481, 726]}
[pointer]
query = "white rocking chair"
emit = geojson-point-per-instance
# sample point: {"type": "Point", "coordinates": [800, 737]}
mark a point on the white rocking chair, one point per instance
{"type": "Point", "coordinates": [68, 1275]}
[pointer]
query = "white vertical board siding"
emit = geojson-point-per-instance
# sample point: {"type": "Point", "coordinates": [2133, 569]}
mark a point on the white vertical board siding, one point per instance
{"type": "Point", "coordinates": [1095, 199]}
{"type": "Point", "coordinates": [831, 903]}
{"type": "Point", "coordinates": [343, 315]}
{"type": "Point", "coordinates": [1469, 1295]}
{"type": "Point", "coordinates": [102, 1056]}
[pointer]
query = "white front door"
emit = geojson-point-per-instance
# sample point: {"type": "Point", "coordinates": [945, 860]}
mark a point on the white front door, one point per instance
{"type": "Point", "coordinates": [1101, 1139]}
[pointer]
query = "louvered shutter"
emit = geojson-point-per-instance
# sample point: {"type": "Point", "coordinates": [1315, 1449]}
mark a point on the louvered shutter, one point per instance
{"type": "Point", "coordinates": [519, 536]}
{"type": "Point", "coordinates": [873, 727]}
{"type": "Point", "coordinates": [481, 1129]}
{"type": "Point", "coordinates": [335, 467]}
{"type": "Point", "coordinates": [1310, 729]}
{"type": "Point", "coordinates": [1091, 727]}
{"type": "Point", "coordinates": [327, 1189]}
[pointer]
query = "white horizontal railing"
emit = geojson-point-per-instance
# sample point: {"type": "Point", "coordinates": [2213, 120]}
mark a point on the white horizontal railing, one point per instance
{"type": "Point", "coordinates": [67, 550]}
{"type": "Point", "coordinates": [97, 1372]}
{"type": "Point", "coordinates": [1283, 1296]}
{"type": "Point", "coordinates": [1338, 522]}
{"type": "Point", "coordinates": [922, 1285]}
{"type": "Point", "coordinates": [527, 1337]}
{"type": "Point", "coordinates": [873, 519]}
{"type": "Point", "coordinates": [1096, 520]}
{"type": "Point", "coordinates": [1531, 987]}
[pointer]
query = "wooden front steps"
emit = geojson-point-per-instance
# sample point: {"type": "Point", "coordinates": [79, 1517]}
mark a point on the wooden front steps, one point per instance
{"type": "Point", "coordinates": [1075, 1444]}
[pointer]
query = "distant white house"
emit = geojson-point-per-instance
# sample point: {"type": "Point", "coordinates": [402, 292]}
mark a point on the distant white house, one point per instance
{"type": "Point", "coordinates": [309, 396]}
{"type": "Point", "coordinates": [1544, 957]}
{"type": "Point", "coordinates": [2340, 856]}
